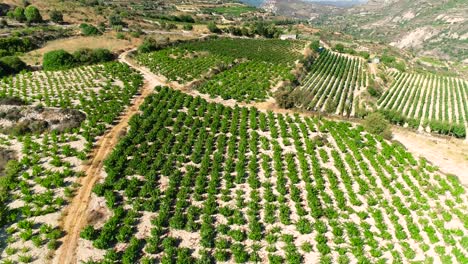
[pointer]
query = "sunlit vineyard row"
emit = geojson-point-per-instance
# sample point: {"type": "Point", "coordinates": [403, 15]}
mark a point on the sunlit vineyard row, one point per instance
{"type": "Point", "coordinates": [440, 103]}
{"type": "Point", "coordinates": [332, 85]}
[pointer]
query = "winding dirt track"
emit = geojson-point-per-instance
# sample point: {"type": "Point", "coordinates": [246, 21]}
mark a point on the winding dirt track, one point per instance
{"type": "Point", "coordinates": [75, 215]}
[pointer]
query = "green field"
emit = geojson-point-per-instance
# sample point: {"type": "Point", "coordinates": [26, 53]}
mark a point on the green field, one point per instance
{"type": "Point", "coordinates": [246, 69]}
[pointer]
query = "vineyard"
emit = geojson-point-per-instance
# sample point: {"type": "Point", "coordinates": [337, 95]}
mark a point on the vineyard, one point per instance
{"type": "Point", "coordinates": [180, 65]}
{"type": "Point", "coordinates": [249, 67]}
{"type": "Point", "coordinates": [37, 186]}
{"type": "Point", "coordinates": [440, 103]}
{"type": "Point", "coordinates": [248, 81]}
{"type": "Point", "coordinates": [333, 84]}
{"type": "Point", "coordinates": [194, 180]}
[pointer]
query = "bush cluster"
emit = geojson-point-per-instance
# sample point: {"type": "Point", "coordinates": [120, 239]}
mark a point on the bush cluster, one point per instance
{"type": "Point", "coordinates": [11, 65]}
{"type": "Point", "coordinates": [89, 30]}
{"type": "Point", "coordinates": [61, 59]}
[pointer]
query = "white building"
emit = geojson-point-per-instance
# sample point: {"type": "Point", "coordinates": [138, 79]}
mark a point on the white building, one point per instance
{"type": "Point", "coordinates": [288, 36]}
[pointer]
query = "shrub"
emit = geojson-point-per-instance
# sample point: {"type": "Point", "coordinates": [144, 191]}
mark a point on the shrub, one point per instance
{"type": "Point", "coordinates": [89, 30]}
{"type": "Point", "coordinates": [213, 28]}
{"type": "Point", "coordinates": [18, 14]}
{"type": "Point", "coordinates": [376, 123]}
{"type": "Point", "coordinates": [11, 65]}
{"type": "Point", "coordinates": [3, 23]}
{"type": "Point", "coordinates": [387, 59]}
{"type": "Point", "coordinates": [339, 47]}
{"type": "Point", "coordinates": [32, 14]}
{"type": "Point", "coordinates": [58, 60]}
{"type": "Point", "coordinates": [188, 27]}
{"type": "Point", "coordinates": [13, 44]}
{"type": "Point", "coordinates": [394, 116]}
{"type": "Point", "coordinates": [120, 35]}
{"type": "Point", "coordinates": [284, 98]}
{"type": "Point", "coordinates": [315, 45]}
{"type": "Point", "coordinates": [116, 20]}
{"type": "Point", "coordinates": [90, 56]}
{"type": "Point", "coordinates": [149, 45]}
{"type": "Point", "coordinates": [364, 54]}
{"type": "Point", "coordinates": [56, 16]}
{"type": "Point", "coordinates": [102, 55]}
{"type": "Point", "coordinates": [374, 92]}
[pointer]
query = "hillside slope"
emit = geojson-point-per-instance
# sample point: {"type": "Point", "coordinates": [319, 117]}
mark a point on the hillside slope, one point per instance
{"type": "Point", "coordinates": [429, 27]}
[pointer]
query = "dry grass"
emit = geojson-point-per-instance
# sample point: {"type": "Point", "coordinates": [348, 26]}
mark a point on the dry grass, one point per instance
{"type": "Point", "coordinates": [72, 44]}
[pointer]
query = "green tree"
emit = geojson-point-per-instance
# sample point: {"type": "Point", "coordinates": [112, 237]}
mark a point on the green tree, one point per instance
{"type": "Point", "coordinates": [32, 14]}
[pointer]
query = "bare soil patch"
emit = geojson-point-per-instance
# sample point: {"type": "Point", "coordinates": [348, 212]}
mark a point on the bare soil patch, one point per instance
{"type": "Point", "coordinates": [107, 41]}
{"type": "Point", "coordinates": [449, 154]}
{"type": "Point", "coordinates": [18, 120]}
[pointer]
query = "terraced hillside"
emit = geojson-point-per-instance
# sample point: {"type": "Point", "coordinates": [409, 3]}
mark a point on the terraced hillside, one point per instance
{"type": "Point", "coordinates": [42, 178]}
{"type": "Point", "coordinates": [440, 103]}
{"type": "Point", "coordinates": [333, 84]}
{"type": "Point", "coordinates": [198, 180]}
{"type": "Point", "coordinates": [249, 67]}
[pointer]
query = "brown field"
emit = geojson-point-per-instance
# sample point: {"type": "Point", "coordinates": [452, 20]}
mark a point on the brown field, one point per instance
{"type": "Point", "coordinates": [72, 44]}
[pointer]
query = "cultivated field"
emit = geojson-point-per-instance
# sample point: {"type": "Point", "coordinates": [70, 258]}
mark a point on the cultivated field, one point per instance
{"type": "Point", "coordinates": [440, 103]}
{"type": "Point", "coordinates": [249, 68]}
{"type": "Point", "coordinates": [333, 84]}
{"type": "Point", "coordinates": [38, 185]}
{"type": "Point", "coordinates": [198, 180]}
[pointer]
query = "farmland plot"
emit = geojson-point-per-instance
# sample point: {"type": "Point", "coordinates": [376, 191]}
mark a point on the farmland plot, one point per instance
{"type": "Point", "coordinates": [38, 184]}
{"type": "Point", "coordinates": [183, 66]}
{"type": "Point", "coordinates": [240, 185]}
{"type": "Point", "coordinates": [249, 68]}
{"type": "Point", "coordinates": [440, 103]}
{"type": "Point", "coordinates": [332, 85]}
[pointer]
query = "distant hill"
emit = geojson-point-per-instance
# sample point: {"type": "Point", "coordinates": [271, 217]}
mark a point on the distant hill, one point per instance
{"type": "Point", "coordinates": [428, 27]}
{"type": "Point", "coordinates": [431, 27]}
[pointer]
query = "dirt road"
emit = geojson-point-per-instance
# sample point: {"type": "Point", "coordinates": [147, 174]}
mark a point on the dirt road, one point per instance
{"type": "Point", "coordinates": [77, 211]}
